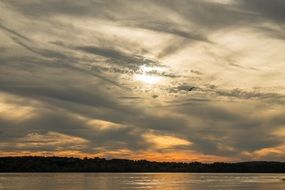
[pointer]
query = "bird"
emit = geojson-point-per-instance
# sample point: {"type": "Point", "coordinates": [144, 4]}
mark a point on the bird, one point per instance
{"type": "Point", "coordinates": [190, 89]}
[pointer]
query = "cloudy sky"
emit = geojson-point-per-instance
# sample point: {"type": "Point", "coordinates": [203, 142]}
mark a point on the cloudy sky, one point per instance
{"type": "Point", "coordinates": [110, 78]}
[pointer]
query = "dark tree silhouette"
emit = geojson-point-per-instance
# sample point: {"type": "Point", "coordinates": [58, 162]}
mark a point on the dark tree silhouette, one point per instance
{"type": "Point", "coordinates": [69, 164]}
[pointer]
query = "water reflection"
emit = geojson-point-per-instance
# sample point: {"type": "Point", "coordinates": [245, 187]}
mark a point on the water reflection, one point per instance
{"type": "Point", "coordinates": [154, 181]}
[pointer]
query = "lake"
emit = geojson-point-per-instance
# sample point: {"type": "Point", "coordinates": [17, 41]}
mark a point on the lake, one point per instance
{"type": "Point", "coordinates": [159, 181]}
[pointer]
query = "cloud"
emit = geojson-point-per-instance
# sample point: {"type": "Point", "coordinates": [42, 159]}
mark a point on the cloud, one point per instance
{"type": "Point", "coordinates": [269, 9]}
{"type": "Point", "coordinates": [172, 28]}
{"type": "Point", "coordinates": [10, 31]}
{"type": "Point", "coordinates": [117, 57]}
{"type": "Point", "coordinates": [238, 93]}
{"type": "Point", "coordinates": [47, 8]}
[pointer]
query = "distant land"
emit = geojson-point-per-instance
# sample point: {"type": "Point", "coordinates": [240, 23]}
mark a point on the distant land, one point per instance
{"type": "Point", "coordinates": [69, 164]}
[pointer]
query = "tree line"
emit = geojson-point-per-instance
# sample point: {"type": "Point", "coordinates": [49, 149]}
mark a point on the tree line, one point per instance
{"type": "Point", "coordinates": [70, 164]}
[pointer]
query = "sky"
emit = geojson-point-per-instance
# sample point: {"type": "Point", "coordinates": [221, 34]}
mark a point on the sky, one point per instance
{"type": "Point", "coordinates": [110, 78]}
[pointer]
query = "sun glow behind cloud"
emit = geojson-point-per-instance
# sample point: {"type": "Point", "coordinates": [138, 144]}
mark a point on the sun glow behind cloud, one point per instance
{"type": "Point", "coordinates": [148, 79]}
{"type": "Point", "coordinates": [146, 75]}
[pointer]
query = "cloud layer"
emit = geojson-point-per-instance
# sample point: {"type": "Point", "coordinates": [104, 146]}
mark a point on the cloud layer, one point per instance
{"type": "Point", "coordinates": [111, 78]}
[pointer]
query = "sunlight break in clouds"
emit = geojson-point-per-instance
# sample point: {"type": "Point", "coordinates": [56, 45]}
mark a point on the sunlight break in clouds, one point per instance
{"type": "Point", "coordinates": [147, 78]}
{"type": "Point", "coordinates": [149, 75]}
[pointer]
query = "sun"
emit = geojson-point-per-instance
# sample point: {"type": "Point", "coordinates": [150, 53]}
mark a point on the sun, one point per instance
{"type": "Point", "coordinates": [146, 76]}
{"type": "Point", "coordinates": [148, 79]}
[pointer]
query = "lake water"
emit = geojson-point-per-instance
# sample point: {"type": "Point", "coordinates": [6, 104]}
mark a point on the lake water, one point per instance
{"type": "Point", "coordinates": [153, 181]}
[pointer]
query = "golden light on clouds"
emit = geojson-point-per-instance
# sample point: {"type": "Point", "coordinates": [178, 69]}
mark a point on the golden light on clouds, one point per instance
{"type": "Point", "coordinates": [103, 125]}
{"type": "Point", "coordinates": [165, 141]}
{"type": "Point", "coordinates": [50, 139]}
{"type": "Point", "coordinates": [10, 110]}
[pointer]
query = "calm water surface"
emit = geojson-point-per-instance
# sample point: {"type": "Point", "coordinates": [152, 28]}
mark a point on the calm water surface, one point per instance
{"type": "Point", "coordinates": [161, 181]}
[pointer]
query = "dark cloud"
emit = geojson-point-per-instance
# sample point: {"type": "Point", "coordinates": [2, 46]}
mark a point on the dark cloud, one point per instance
{"type": "Point", "coordinates": [118, 57]}
{"type": "Point", "coordinates": [236, 93]}
{"type": "Point", "coordinates": [172, 47]}
{"type": "Point", "coordinates": [10, 31]}
{"type": "Point", "coordinates": [171, 28]}
{"type": "Point", "coordinates": [40, 51]}
{"type": "Point", "coordinates": [263, 96]}
{"type": "Point", "coordinates": [210, 14]}
{"type": "Point", "coordinates": [196, 72]}
{"type": "Point", "coordinates": [273, 10]}
{"type": "Point", "coordinates": [203, 13]}
{"type": "Point", "coordinates": [225, 132]}
{"type": "Point", "coordinates": [47, 8]}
